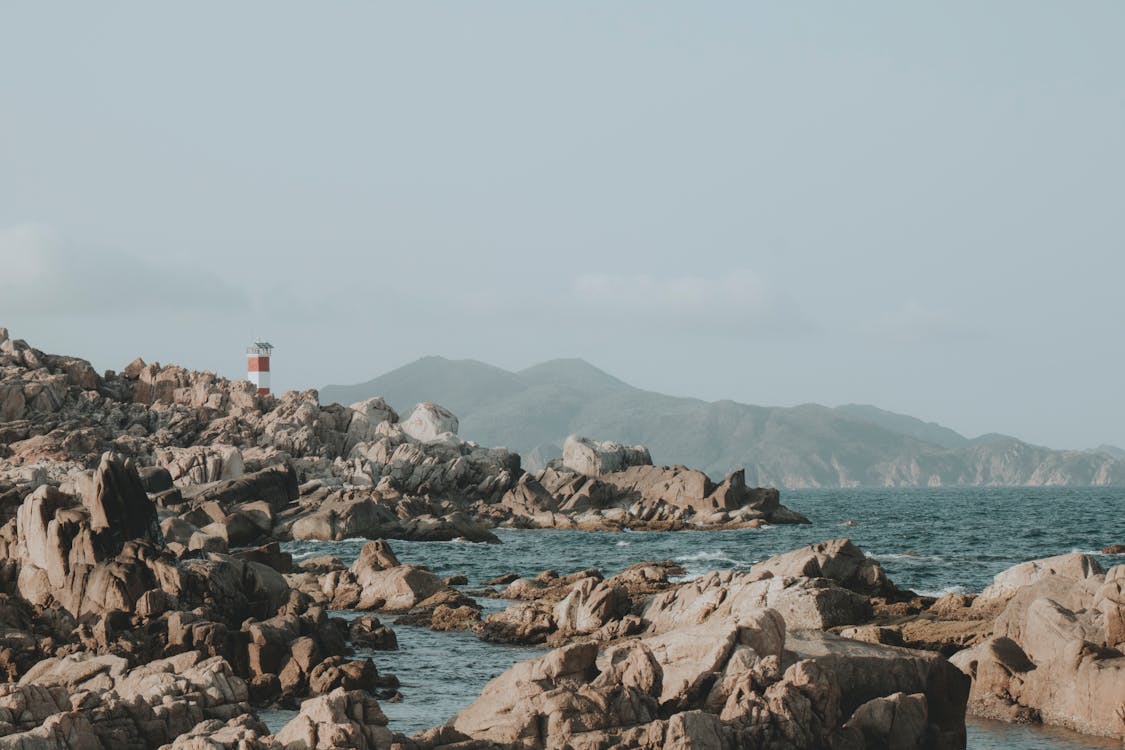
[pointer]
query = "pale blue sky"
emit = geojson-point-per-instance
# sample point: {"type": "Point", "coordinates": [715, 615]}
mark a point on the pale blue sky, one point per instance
{"type": "Point", "coordinates": [920, 206]}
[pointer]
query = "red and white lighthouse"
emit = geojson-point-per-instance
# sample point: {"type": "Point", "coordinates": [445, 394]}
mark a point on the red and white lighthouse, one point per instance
{"type": "Point", "coordinates": [258, 365]}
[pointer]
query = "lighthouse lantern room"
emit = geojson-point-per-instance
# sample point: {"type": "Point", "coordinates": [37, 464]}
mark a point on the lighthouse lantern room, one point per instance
{"type": "Point", "coordinates": [258, 365]}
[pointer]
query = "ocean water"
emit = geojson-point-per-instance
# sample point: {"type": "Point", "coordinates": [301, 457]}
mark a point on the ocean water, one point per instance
{"type": "Point", "coordinates": [930, 540]}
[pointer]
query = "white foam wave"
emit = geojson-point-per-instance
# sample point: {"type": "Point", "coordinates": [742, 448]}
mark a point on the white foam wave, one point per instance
{"type": "Point", "coordinates": [939, 593]}
{"type": "Point", "coordinates": [623, 543]}
{"type": "Point", "coordinates": [702, 556]}
{"type": "Point", "coordinates": [700, 560]}
{"type": "Point", "coordinates": [903, 556]}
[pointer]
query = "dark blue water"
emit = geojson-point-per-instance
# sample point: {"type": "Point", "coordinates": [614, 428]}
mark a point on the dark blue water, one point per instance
{"type": "Point", "coordinates": [929, 540]}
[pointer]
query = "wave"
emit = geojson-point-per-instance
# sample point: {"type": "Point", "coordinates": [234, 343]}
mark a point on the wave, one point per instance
{"type": "Point", "coordinates": [623, 543]}
{"type": "Point", "coordinates": [903, 556]}
{"type": "Point", "coordinates": [705, 556]}
{"type": "Point", "coordinates": [939, 593]}
{"type": "Point", "coordinates": [1097, 552]}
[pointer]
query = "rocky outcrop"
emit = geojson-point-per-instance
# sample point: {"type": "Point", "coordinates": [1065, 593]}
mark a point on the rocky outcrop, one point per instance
{"type": "Point", "coordinates": [429, 422]}
{"type": "Point", "coordinates": [1055, 654]}
{"type": "Point", "coordinates": [822, 586]}
{"type": "Point", "coordinates": [660, 498]}
{"type": "Point", "coordinates": [593, 458]}
{"type": "Point", "coordinates": [343, 718]}
{"type": "Point", "coordinates": [92, 703]}
{"type": "Point", "coordinates": [718, 685]}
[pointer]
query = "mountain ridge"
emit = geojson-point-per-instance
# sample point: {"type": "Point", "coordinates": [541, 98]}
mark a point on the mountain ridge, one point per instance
{"type": "Point", "coordinates": [810, 445]}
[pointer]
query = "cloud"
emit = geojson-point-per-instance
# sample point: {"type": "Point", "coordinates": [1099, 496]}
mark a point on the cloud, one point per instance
{"type": "Point", "coordinates": [44, 274]}
{"type": "Point", "coordinates": [736, 302]}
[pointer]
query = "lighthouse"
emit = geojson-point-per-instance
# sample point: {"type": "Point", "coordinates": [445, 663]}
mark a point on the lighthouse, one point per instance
{"type": "Point", "coordinates": [258, 365]}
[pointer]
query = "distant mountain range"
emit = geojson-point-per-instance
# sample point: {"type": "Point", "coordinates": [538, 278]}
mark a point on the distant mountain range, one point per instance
{"type": "Point", "coordinates": [533, 410]}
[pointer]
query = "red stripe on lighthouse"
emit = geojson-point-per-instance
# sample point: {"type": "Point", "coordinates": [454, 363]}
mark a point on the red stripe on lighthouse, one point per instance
{"type": "Point", "coordinates": [258, 364]}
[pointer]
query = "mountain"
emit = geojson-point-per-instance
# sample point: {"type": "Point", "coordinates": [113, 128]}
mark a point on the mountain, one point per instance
{"type": "Point", "coordinates": [1111, 450]}
{"type": "Point", "coordinates": [533, 410]}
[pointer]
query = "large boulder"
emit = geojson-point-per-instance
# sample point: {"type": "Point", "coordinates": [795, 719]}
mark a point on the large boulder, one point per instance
{"type": "Point", "coordinates": [343, 718]}
{"type": "Point", "coordinates": [399, 588]}
{"type": "Point", "coordinates": [1054, 655]}
{"type": "Point", "coordinates": [593, 458]}
{"type": "Point", "coordinates": [429, 422]}
{"type": "Point", "coordinates": [1061, 572]}
{"type": "Point", "coordinates": [804, 603]}
{"type": "Point", "coordinates": [590, 605]}
{"type": "Point", "coordinates": [93, 553]}
{"type": "Point", "coordinates": [837, 559]}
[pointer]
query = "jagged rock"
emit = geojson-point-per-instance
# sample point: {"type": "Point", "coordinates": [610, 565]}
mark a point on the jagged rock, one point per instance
{"type": "Point", "coordinates": [368, 632]}
{"type": "Point", "coordinates": [590, 605]}
{"type": "Point", "coordinates": [1054, 655]}
{"type": "Point", "coordinates": [1066, 571]}
{"type": "Point", "coordinates": [838, 559]}
{"type": "Point", "coordinates": [594, 458]}
{"type": "Point", "coordinates": [898, 720]}
{"type": "Point", "coordinates": [201, 464]}
{"type": "Point", "coordinates": [722, 686]}
{"type": "Point", "coordinates": [79, 703]}
{"type": "Point", "coordinates": [399, 588]}
{"type": "Point", "coordinates": [815, 603]}
{"type": "Point", "coordinates": [276, 485]}
{"type": "Point", "coordinates": [340, 719]}
{"type": "Point", "coordinates": [429, 422]}
{"type": "Point", "coordinates": [243, 732]}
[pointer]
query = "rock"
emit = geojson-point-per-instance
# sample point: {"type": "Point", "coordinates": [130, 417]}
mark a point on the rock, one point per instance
{"type": "Point", "coordinates": [446, 617]}
{"type": "Point", "coordinates": [155, 479]}
{"type": "Point", "coordinates": [897, 721]}
{"type": "Point", "coordinates": [243, 732]}
{"type": "Point", "coordinates": [804, 603]}
{"type": "Point", "coordinates": [590, 605]}
{"type": "Point", "coordinates": [721, 685]}
{"type": "Point", "coordinates": [76, 701]}
{"type": "Point", "coordinates": [594, 458]}
{"type": "Point", "coordinates": [276, 485]}
{"type": "Point", "coordinates": [375, 556]}
{"type": "Point", "coordinates": [1071, 569]}
{"type": "Point", "coordinates": [1113, 549]}
{"type": "Point", "coordinates": [336, 672]}
{"type": "Point", "coordinates": [398, 588]}
{"type": "Point", "coordinates": [838, 559]}
{"type": "Point", "coordinates": [429, 422]}
{"type": "Point", "coordinates": [201, 464]}
{"type": "Point", "coordinates": [269, 555]}
{"type": "Point", "coordinates": [1078, 685]}
{"type": "Point", "coordinates": [340, 719]}
{"type": "Point", "coordinates": [368, 632]}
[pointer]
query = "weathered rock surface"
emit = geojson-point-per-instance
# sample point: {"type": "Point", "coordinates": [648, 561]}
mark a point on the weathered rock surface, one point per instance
{"type": "Point", "coordinates": [341, 719]}
{"type": "Point", "coordinates": [718, 685]}
{"type": "Point", "coordinates": [1056, 651]}
{"type": "Point", "coordinates": [593, 458]}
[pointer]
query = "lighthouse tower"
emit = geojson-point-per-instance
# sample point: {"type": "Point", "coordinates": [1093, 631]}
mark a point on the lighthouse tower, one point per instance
{"type": "Point", "coordinates": [258, 365]}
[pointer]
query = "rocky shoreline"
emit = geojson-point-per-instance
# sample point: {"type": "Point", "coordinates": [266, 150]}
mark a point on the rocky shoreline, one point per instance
{"type": "Point", "coordinates": [145, 600]}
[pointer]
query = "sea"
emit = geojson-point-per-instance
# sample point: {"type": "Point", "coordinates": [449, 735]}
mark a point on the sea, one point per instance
{"type": "Point", "coordinates": [933, 541]}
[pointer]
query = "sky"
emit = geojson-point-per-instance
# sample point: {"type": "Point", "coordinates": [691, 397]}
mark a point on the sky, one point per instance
{"type": "Point", "coordinates": [915, 205]}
